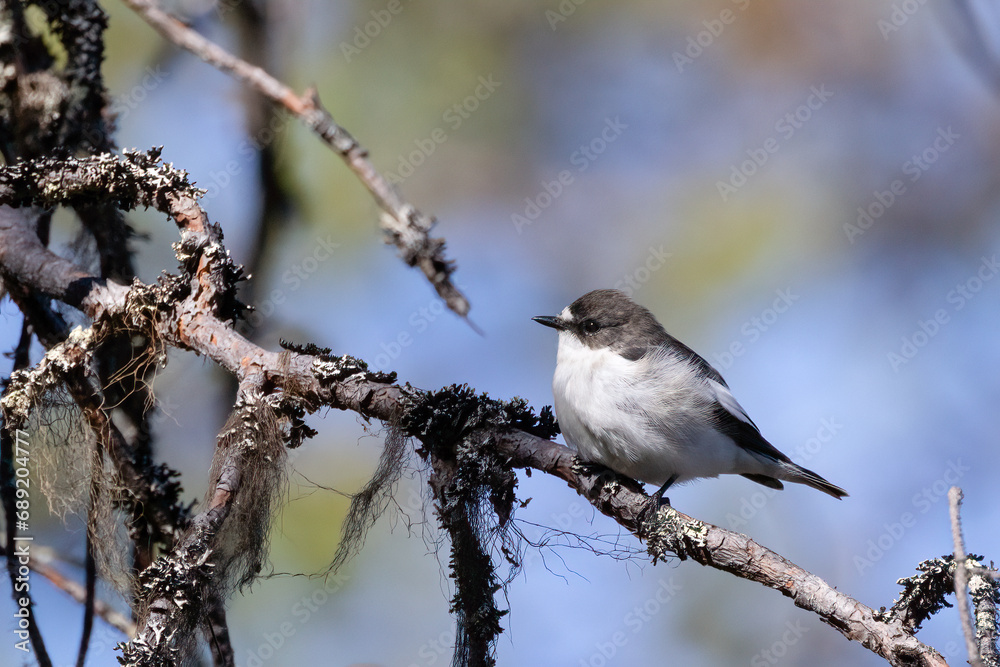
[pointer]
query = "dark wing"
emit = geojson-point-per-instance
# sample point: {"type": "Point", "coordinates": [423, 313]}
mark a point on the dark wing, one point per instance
{"type": "Point", "coordinates": [744, 433]}
{"type": "Point", "coordinates": [732, 420]}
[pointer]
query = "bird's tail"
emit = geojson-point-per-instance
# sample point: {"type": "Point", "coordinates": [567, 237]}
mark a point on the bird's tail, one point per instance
{"type": "Point", "coordinates": [796, 473]}
{"type": "Point", "coordinates": [791, 472]}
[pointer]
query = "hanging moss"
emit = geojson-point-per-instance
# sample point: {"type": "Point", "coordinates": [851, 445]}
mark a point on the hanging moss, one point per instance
{"type": "Point", "coordinates": [474, 491]}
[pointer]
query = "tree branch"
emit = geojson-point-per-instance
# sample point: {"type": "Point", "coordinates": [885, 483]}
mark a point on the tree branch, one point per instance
{"type": "Point", "coordinates": [962, 577]}
{"type": "Point", "coordinates": [672, 532]}
{"type": "Point", "coordinates": [42, 559]}
{"type": "Point", "coordinates": [404, 225]}
{"type": "Point", "coordinates": [216, 631]}
{"type": "Point", "coordinates": [985, 596]}
{"type": "Point", "coordinates": [307, 382]}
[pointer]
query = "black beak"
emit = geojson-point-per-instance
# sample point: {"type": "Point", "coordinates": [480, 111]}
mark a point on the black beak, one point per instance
{"type": "Point", "coordinates": [550, 321]}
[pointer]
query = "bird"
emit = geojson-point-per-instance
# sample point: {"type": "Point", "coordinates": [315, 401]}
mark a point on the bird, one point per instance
{"type": "Point", "coordinates": [632, 397]}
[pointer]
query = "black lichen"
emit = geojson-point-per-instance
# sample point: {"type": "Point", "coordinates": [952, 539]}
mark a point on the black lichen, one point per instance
{"type": "Point", "coordinates": [474, 492]}
{"type": "Point", "coordinates": [923, 594]}
{"type": "Point", "coordinates": [449, 414]}
{"type": "Point", "coordinates": [305, 348]}
{"type": "Point", "coordinates": [331, 369]}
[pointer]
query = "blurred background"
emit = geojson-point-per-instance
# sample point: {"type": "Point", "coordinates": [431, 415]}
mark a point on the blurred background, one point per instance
{"type": "Point", "coordinates": [804, 192]}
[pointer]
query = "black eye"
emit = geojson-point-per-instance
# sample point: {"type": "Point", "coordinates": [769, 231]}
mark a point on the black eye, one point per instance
{"type": "Point", "coordinates": [590, 326]}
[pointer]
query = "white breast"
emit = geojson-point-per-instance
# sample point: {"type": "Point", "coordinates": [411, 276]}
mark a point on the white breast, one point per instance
{"type": "Point", "coordinates": [648, 419]}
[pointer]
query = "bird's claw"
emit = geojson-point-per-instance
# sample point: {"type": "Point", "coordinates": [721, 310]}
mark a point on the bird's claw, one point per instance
{"type": "Point", "coordinates": [652, 508]}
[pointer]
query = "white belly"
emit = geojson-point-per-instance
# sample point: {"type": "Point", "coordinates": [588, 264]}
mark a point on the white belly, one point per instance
{"type": "Point", "coordinates": [645, 423]}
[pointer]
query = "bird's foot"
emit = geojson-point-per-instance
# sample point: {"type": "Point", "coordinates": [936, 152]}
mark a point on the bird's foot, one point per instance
{"type": "Point", "coordinates": [652, 508]}
{"type": "Point", "coordinates": [656, 501]}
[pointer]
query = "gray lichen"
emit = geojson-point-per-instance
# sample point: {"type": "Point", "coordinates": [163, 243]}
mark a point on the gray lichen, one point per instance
{"type": "Point", "coordinates": [26, 389]}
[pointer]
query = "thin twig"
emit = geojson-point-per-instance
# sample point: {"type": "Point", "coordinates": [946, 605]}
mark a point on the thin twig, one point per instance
{"type": "Point", "coordinates": [42, 559]}
{"type": "Point", "coordinates": [90, 595]}
{"type": "Point", "coordinates": [404, 225]}
{"type": "Point", "coordinates": [962, 578]}
{"type": "Point", "coordinates": [216, 631]}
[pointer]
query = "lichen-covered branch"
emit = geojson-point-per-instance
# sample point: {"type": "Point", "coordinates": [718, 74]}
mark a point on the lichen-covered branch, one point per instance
{"type": "Point", "coordinates": [455, 425]}
{"type": "Point", "coordinates": [923, 594]}
{"type": "Point", "coordinates": [129, 180]}
{"type": "Point", "coordinates": [985, 593]}
{"type": "Point", "coordinates": [967, 577]}
{"type": "Point", "coordinates": [66, 364]}
{"type": "Point", "coordinates": [404, 225]}
{"type": "Point", "coordinates": [225, 545]}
